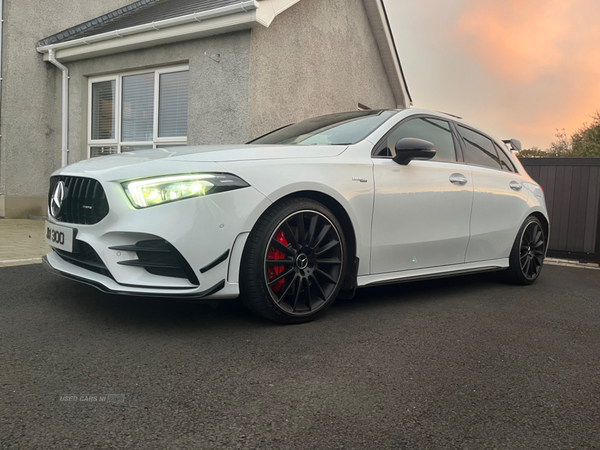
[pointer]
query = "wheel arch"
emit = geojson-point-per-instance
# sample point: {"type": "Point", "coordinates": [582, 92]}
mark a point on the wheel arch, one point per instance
{"type": "Point", "coordinates": [541, 215]}
{"type": "Point", "coordinates": [340, 213]}
{"type": "Point", "coordinates": [545, 224]}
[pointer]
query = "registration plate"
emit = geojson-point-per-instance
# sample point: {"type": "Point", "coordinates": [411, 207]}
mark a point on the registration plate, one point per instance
{"type": "Point", "coordinates": [60, 237]}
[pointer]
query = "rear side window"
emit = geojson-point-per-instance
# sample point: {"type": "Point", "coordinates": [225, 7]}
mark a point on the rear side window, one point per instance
{"type": "Point", "coordinates": [432, 130]}
{"type": "Point", "coordinates": [505, 162]}
{"type": "Point", "coordinates": [479, 150]}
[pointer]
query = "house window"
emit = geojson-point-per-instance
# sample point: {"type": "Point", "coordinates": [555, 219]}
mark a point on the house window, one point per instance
{"type": "Point", "coordinates": [138, 111]}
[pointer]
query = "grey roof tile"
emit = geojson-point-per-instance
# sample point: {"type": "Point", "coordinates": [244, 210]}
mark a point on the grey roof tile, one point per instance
{"type": "Point", "coordinates": [138, 13]}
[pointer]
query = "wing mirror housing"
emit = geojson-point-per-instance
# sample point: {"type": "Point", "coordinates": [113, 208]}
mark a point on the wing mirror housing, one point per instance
{"type": "Point", "coordinates": [408, 149]}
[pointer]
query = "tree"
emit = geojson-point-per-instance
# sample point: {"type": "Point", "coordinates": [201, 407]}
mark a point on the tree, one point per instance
{"type": "Point", "coordinates": [533, 152]}
{"type": "Point", "coordinates": [585, 142]}
{"type": "Point", "coordinates": [561, 148]}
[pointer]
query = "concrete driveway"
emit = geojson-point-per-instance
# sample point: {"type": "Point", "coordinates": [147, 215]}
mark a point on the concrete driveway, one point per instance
{"type": "Point", "coordinates": [458, 363]}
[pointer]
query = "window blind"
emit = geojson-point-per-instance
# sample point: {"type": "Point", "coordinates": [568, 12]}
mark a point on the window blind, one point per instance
{"type": "Point", "coordinates": [138, 108]}
{"type": "Point", "coordinates": [103, 110]}
{"type": "Point", "coordinates": [173, 104]}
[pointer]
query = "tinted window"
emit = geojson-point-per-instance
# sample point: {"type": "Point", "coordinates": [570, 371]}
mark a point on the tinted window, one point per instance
{"type": "Point", "coordinates": [334, 129]}
{"type": "Point", "coordinates": [432, 130]}
{"type": "Point", "coordinates": [505, 162]}
{"type": "Point", "coordinates": [479, 150]}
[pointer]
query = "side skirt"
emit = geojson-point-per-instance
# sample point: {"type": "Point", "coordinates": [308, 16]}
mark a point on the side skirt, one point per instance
{"type": "Point", "coordinates": [433, 272]}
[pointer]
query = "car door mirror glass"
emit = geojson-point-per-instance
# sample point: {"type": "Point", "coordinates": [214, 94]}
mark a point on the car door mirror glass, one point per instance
{"type": "Point", "coordinates": [408, 149]}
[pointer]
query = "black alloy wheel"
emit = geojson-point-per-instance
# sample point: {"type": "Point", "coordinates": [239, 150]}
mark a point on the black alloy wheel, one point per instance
{"type": "Point", "coordinates": [531, 253]}
{"type": "Point", "coordinates": [308, 267]}
{"type": "Point", "coordinates": [528, 252]}
{"type": "Point", "coordinates": [302, 261]}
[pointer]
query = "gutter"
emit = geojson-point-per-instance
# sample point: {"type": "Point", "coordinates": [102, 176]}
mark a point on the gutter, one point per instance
{"type": "Point", "coordinates": [244, 6]}
{"type": "Point", "coordinates": [65, 107]}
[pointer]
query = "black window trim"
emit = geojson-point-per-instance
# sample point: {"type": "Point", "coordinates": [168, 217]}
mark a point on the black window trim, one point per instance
{"type": "Point", "coordinates": [496, 145]}
{"type": "Point", "coordinates": [458, 153]}
{"type": "Point", "coordinates": [512, 165]}
{"type": "Point", "coordinates": [497, 157]}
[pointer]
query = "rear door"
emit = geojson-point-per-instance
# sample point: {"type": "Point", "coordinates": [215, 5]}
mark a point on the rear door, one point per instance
{"type": "Point", "coordinates": [422, 210]}
{"type": "Point", "coordinates": [499, 201]}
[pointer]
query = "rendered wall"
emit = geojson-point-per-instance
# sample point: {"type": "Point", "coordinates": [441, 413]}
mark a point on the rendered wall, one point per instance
{"type": "Point", "coordinates": [31, 98]}
{"type": "Point", "coordinates": [317, 57]}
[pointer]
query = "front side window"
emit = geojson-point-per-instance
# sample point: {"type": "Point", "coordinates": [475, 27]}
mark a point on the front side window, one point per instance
{"type": "Point", "coordinates": [479, 150]}
{"type": "Point", "coordinates": [334, 129]}
{"type": "Point", "coordinates": [433, 130]}
{"type": "Point", "coordinates": [138, 111]}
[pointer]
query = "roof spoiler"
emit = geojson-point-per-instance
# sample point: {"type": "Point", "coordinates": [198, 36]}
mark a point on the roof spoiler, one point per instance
{"type": "Point", "coordinates": [513, 144]}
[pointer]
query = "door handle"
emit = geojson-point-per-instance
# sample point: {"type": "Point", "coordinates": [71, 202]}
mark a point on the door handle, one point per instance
{"type": "Point", "coordinates": [458, 178]}
{"type": "Point", "coordinates": [515, 186]}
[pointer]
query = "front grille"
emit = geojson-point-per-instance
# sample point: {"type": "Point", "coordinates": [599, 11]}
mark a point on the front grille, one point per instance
{"type": "Point", "coordinates": [84, 202]}
{"type": "Point", "coordinates": [84, 256]}
{"type": "Point", "coordinates": [159, 257]}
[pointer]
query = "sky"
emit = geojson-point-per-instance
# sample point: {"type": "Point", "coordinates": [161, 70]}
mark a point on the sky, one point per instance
{"type": "Point", "coordinates": [515, 68]}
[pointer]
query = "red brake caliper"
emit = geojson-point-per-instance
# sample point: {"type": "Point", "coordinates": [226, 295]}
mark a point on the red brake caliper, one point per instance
{"type": "Point", "coordinates": [272, 272]}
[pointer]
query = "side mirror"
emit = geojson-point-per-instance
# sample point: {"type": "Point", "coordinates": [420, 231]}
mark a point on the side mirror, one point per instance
{"type": "Point", "coordinates": [408, 149]}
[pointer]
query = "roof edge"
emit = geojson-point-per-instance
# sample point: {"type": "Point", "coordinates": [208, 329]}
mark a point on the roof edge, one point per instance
{"type": "Point", "coordinates": [104, 18]}
{"type": "Point", "coordinates": [384, 37]}
{"type": "Point", "coordinates": [247, 7]}
{"type": "Point", "coordinates": [395, 49]}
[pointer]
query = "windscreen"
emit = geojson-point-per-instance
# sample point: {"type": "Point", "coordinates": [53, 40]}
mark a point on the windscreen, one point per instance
{"type": "Point", "coordinates": [334, 129]}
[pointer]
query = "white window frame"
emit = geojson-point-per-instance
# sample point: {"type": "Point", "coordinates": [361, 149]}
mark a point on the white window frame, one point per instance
{"type": "Point", "coordinates": [116, 142]}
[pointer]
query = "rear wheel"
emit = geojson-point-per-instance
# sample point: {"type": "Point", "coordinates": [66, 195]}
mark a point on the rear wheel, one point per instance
{"type": "Point", "coordinates": [527, 255]}
{"type": "Point", "coordinates": [294, 262]}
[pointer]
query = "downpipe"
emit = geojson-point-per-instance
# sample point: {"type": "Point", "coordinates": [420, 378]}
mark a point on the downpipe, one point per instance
{"type": "Point", "coordinates": [65, 107]}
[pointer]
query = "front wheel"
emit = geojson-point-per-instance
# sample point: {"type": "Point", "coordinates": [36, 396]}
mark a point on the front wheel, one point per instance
{"type": "Point", "coordinates": [527, 255]}
{"type": "Point", "coordinates": [294, 262]}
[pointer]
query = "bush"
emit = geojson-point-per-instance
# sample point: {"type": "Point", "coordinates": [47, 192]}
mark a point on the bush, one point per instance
{"type": "Point", "coordinates": [584, 143]}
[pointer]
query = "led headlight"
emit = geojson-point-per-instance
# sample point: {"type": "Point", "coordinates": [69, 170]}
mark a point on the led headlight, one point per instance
{"type": "Point", "coordinates": [169, 188]}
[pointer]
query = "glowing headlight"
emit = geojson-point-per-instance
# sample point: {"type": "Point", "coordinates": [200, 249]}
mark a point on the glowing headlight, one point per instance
{"type": "Point", "coordinates": [169, 188]}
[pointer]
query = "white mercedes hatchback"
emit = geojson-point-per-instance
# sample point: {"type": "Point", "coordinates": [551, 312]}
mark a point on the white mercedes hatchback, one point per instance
{"type": "Point", "coordinates": [300, 216]}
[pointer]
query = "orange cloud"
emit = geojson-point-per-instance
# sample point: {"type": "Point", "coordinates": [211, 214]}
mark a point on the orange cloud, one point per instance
{"type": "Point", "coordinates": [544, 56]}
{"type": "Point", "coordinates": [517, 39]}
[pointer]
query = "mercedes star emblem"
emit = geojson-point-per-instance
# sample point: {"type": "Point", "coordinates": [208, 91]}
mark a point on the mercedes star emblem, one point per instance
{"type": "Point", "coordinates": [57, 199]}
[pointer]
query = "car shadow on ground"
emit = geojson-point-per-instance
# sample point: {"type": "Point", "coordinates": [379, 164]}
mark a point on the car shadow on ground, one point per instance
{"type": "Point", "coordinates": [165, 313]}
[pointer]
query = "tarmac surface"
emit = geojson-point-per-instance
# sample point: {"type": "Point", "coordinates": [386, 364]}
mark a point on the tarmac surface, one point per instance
{"type": "Point", "coordinates": [467, 362]}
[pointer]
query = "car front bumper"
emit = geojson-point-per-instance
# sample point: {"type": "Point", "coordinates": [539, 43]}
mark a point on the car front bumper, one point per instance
{"type": "Point", "coordinates": [206, 233]}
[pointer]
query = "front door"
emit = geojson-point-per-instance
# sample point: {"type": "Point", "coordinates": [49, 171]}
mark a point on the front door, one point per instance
{"type": "Point", "coordinates": [422, 210]}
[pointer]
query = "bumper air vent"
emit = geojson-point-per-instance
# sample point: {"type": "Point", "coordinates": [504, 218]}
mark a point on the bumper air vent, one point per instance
{"type": "Point", "coordinates": [84, 256]}
{"type": "Point", "coordinates": [159, 257]}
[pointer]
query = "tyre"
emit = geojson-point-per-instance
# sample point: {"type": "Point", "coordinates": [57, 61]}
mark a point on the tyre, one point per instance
{"type": "Point", "coordinates": [294, 262]}
{"type": "Point", "coordinates": [527, 254]}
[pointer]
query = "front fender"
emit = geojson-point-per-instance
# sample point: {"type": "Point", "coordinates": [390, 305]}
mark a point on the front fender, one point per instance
{"type": "Point", "coordinates": [349, 183]}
